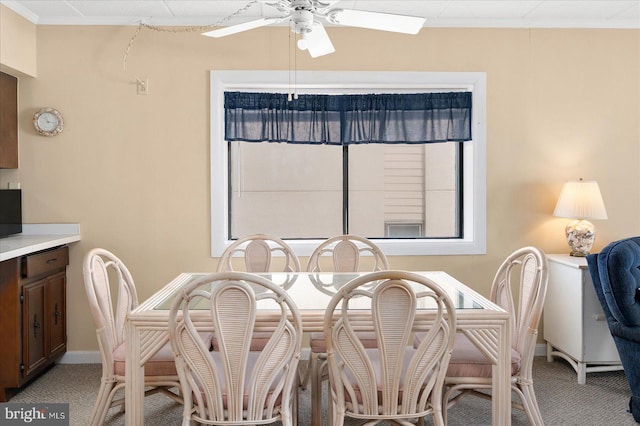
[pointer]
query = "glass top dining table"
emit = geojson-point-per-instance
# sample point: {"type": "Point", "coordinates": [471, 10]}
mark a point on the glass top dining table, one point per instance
{"type": "Point", "coordinates": [486, 324]}
{"type": "Point", "coordinates": [313, 290]}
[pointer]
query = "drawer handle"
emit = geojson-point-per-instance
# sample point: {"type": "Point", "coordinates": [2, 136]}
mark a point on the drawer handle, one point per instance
{"type": "Point", "coordinates": [57, 314]}
{"type": "Point", "coordinates": [599, 317]}
{"type": "Point", "coordinates": [36, 326]}
{"type": "Point", "coordinates": [54, 260]}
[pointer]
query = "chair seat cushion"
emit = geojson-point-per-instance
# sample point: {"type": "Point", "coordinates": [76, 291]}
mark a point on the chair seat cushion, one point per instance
{"type": "Point", "coordinates": [251, 362]}
{"type": "Point", "coordinates": [373, 355]}
{"type": "Point", "coordinates": [161, 363]}
{"type": "Point", "coordinates": [468, 361]}
{"type": "Point", "coordinates": [258, 341]}
{"type": "Point", "coordinates": [252, 359]}
{"type": "Point", "coordinates": [318, 345]}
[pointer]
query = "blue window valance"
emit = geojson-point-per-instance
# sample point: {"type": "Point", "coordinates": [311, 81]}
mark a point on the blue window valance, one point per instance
{"type": "Point", "coordinates": [348, 119]}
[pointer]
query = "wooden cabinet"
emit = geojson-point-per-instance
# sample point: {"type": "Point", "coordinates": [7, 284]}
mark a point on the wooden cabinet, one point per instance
{"type": "Point", "coordinates": [574, 325]}
{"type": "Point", "coordinates": [33, 316]}
{"type": "Point", "coordinates": [33, 300]}
{"type": "Point", "coordinates": [56, 314]}
{"type": "Point", "coordinates": [8, 121]}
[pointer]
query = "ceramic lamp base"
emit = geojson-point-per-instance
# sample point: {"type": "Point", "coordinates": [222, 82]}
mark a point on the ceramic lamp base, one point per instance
{"type": "Point", "coordinates": [581, 234]}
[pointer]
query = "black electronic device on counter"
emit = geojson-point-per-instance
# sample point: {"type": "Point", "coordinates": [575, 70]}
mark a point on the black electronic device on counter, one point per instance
{"type": "Point", "coordinates": [10, 212]}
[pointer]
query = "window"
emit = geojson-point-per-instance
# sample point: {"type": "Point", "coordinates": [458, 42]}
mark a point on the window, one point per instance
{"type": "Point", "coordinates": [299, 191]}
{"type": "Point", "coordinates": [393, 191]}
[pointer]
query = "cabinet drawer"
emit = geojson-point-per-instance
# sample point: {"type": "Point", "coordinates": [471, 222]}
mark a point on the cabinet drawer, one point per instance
{"type": "Point", "coordinates": [42, 263]}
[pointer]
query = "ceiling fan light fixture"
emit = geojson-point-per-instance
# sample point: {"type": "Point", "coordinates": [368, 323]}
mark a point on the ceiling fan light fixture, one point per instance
{"type": "Point", "coordinates": [317, 42]}
{"type": "Point", "coordinates": [377, 21]}
{"type": "Point", "coordinates": [302, 21]}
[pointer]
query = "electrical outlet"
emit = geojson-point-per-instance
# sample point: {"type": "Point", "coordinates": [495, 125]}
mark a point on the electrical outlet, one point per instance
{"type": "Point", "coordinates": [13, 185]}
{"type": "Point", "coordinates": [143, 86]}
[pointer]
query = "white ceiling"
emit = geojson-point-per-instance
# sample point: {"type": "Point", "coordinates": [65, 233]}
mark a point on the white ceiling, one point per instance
{"type": "Point", "coordinates": [438, 13]}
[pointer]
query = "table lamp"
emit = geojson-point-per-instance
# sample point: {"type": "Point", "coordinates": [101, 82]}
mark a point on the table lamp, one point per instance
{"type": "Point", "coordinates": [580, 200]}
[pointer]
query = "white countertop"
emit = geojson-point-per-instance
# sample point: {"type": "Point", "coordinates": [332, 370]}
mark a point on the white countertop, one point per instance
{"type": "Point", "coordinates": [36, 237]}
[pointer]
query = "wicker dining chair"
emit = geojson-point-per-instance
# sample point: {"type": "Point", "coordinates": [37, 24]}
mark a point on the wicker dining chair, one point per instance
{"type": "Point", "coordinates": [342, 253]}
{"type": "Point", "coordinates": [394, 381]}
{"type": "Point", "coordinates": [257, 252]}
{"type": "Point", "coordinates": [233, 385]}
{"type": "Point", "coordinates": [519, 287]}
{"type": "Point", "coordinates": [345, 255]}
{"type": "Point", "coordinates": [100, 268]}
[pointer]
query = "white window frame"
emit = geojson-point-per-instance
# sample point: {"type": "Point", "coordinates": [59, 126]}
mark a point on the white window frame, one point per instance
{"type": "Point", "coordinates": [474, 152]}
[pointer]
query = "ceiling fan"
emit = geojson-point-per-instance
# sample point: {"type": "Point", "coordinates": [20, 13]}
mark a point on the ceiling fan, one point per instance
{"type": "Point", "coordinates": [302, 15]}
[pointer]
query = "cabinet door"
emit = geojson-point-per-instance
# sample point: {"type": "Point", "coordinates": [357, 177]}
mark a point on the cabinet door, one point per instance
{"type": "Point", "coordinates": [8, 121]}
{"type": "Point", "coordinates": [10, 326]}
{"type": "Point", "coordinates": [33, 320]}
{"type": "Point", "coordinates": [563, 310]}
{"type": "Point", "coordinates": [598, 343]}
{"type": "Point", "coordinates": [56, 313]}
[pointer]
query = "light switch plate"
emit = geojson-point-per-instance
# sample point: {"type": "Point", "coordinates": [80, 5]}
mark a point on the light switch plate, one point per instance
{"type": "Point", "coordinates": [143, 86]}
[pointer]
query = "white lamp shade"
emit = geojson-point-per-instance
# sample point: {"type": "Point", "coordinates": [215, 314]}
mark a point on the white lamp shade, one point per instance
{"type": "Point", "coordinates": [580, 200]}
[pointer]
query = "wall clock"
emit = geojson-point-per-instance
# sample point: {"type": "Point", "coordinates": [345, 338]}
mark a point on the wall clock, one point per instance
{"type": "Point", "coordinates": [48, 121]}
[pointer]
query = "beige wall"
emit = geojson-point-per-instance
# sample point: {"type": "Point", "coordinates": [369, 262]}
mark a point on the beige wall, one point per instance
{"type": "Point", "coordinates": [17, 44]}
{"type": "Point", "coordinates": [134, 170]}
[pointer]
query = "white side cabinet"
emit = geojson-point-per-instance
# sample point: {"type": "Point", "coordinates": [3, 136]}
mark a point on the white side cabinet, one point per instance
{"type": "Point", "coordinates": [574, 325]}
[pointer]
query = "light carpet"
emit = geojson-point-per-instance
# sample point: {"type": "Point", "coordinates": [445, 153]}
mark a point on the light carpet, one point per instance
{"type": "Point", "coordinates": [601, 401]}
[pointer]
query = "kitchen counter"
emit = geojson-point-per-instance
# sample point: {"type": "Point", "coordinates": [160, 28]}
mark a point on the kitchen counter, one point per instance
{"type": "Point", "coordinates": [36, 237]}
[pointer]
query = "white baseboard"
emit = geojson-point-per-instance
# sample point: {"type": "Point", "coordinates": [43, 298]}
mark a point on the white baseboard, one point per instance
{"type": "Point", "coordinates": [81, 357]}
{"type": "Point", "coordinates": [93, 357]}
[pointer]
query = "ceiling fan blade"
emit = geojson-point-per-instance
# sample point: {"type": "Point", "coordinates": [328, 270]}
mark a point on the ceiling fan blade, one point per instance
{"type": "Point", "coordinates": [376, 20]}
{"type": "Point", "coordinates": [233, 29]}
{"type": "Point", "coordinates": [318, 42]}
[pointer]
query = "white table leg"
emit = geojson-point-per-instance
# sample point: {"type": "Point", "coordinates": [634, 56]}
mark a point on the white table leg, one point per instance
{"type": "Point", "coordinates": [501, 386]}
{"type": "Point", "coordinates": [134, 373]}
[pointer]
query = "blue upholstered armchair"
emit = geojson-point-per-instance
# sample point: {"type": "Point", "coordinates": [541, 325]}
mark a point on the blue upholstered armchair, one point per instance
{"type": "Point", "coordinates": [615, 272]}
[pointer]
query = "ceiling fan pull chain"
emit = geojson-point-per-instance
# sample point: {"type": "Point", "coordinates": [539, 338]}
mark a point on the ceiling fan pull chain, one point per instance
{"type": "Point", "coordinates": [289, 97]}
{"type": "Point", "coordinates": [295, 73]}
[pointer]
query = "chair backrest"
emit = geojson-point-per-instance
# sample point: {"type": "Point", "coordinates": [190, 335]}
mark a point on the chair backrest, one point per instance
{"type": "Point", "coordinates": [616, 277]}
{"type": "Point", "coordinates": [615, 273]}
{"type": "Point", "coordinates": [230, 383]}
{"type": "Point", "coordinates": [105, 274]}
{"type": "Point", "coordinates": [345, 252]}
{"type": "Point", "coordinates": [257, 252]}
{"type": "Point", "coordinates": [393, 378]}
{"type": "Point", "coordinates": [520, 287]}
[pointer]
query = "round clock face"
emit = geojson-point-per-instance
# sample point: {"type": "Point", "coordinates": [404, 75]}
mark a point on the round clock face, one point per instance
{"type": "Point", "coordinates": [48, 122]}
